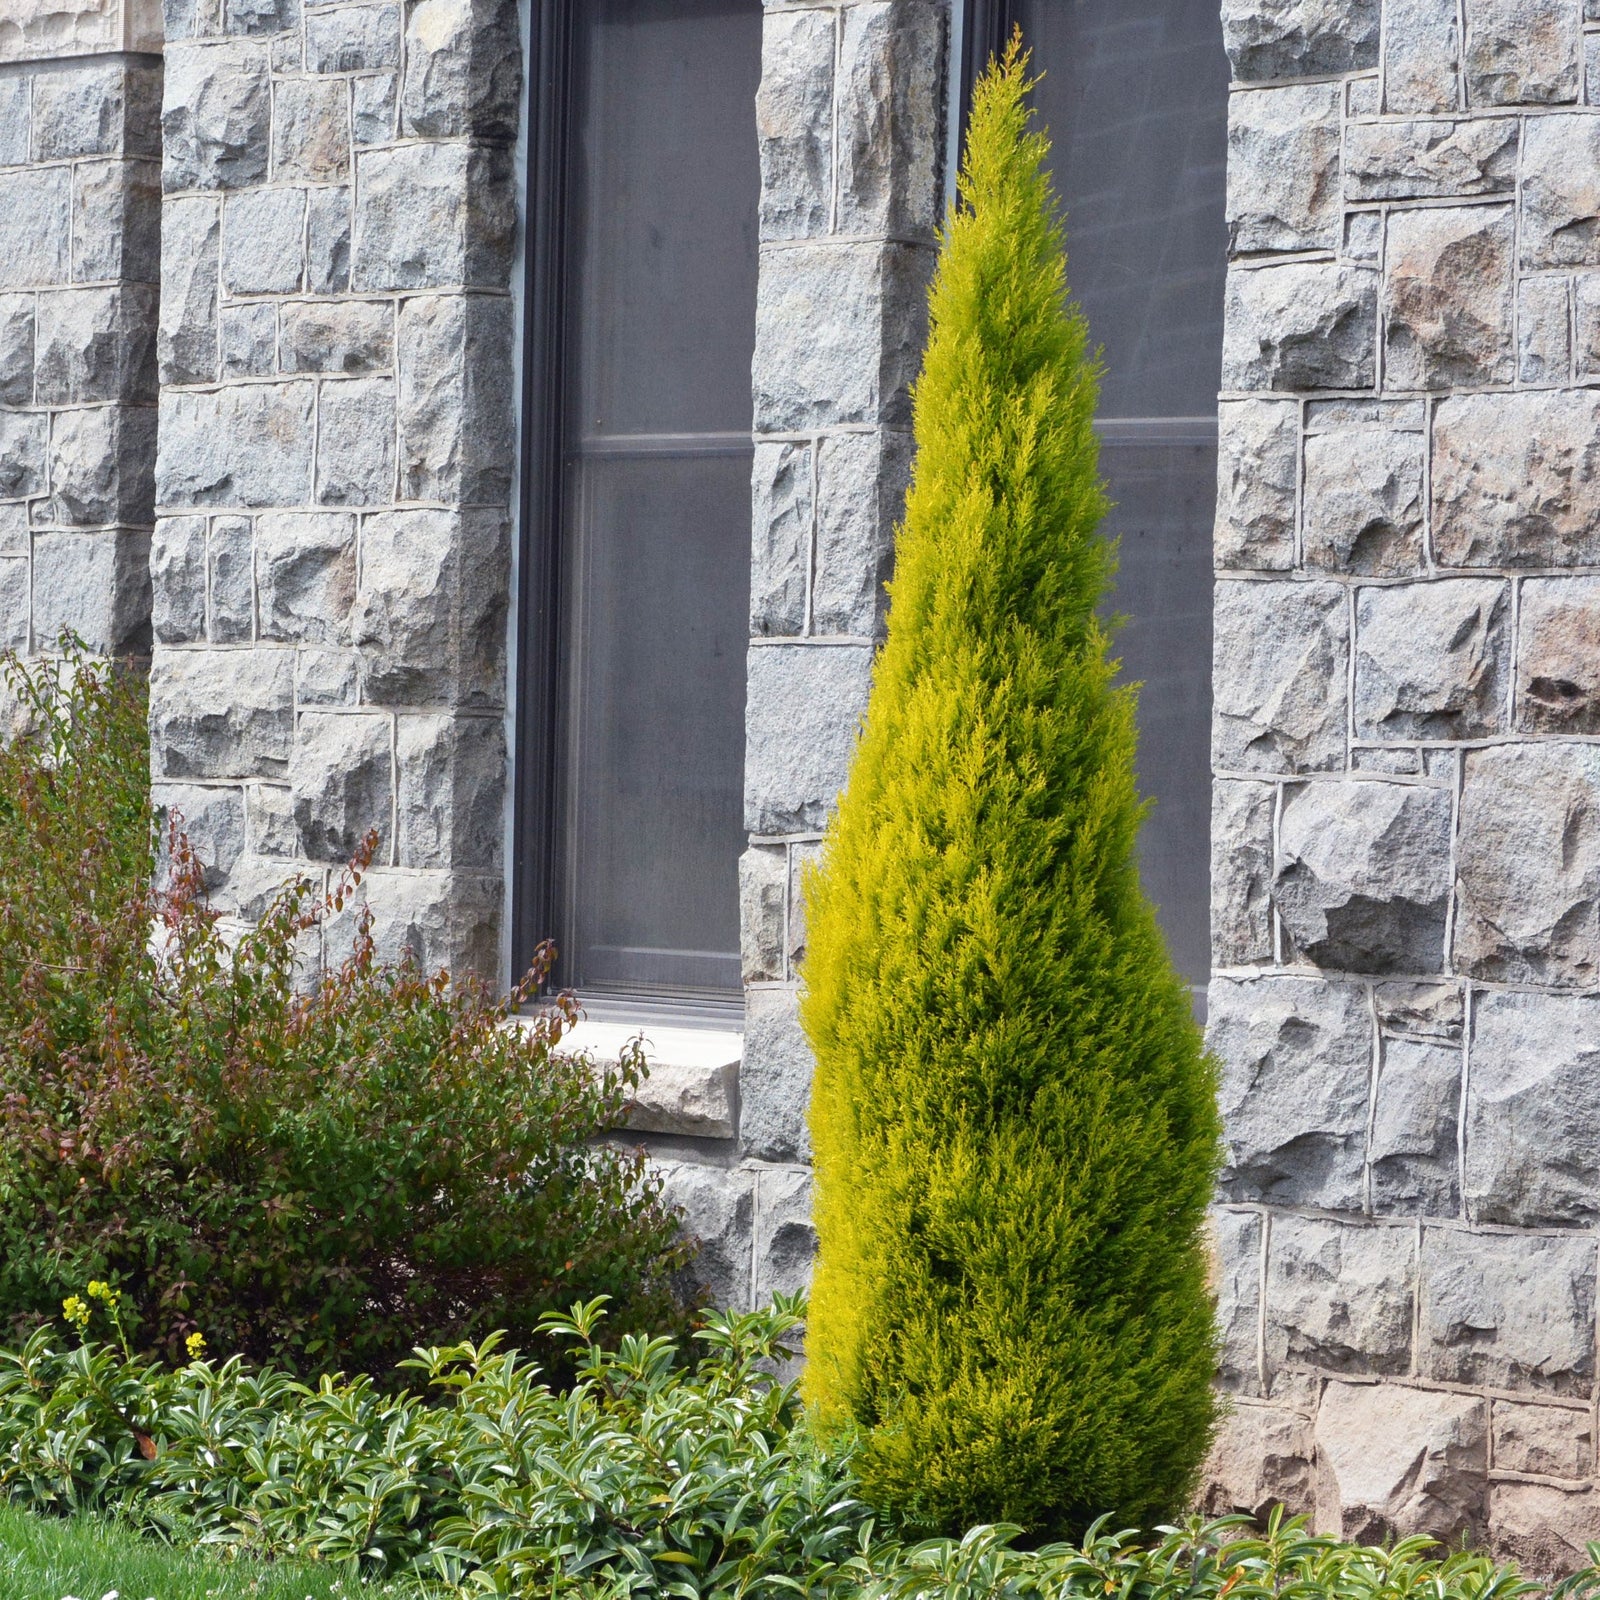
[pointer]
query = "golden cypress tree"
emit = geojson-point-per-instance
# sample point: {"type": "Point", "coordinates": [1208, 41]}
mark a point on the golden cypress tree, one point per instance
{"type": "Point", "coordinates": [1013, 1118]}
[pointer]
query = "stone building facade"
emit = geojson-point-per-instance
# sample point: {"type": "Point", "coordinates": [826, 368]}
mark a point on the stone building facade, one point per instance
{"type": "Point", "coordinates": [268, 407]}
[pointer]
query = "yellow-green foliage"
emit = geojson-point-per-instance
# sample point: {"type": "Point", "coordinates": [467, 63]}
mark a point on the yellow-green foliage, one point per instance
{"type": "Point", "coordinates": [1013, 1119]}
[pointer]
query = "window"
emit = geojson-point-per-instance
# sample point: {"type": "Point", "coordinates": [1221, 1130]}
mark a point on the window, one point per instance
{"type": "Point", "coordinates": [1135, 97]}
{"type": "Point", "coordinates": [641, 312]}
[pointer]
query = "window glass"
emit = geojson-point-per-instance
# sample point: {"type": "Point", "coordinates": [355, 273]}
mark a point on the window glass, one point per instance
{"type": "Point", "coordinates": [1135, 97]}
{"type": "Point", "coordinates": [660, 285]}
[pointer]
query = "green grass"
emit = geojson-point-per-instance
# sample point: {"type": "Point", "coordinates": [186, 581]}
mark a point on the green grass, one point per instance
{"type": "Point", "coordinates": [46, 1559]}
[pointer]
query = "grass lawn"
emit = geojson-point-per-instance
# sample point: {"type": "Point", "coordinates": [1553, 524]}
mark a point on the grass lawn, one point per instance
{"type": "Point", "coordinates": [45, 1559]}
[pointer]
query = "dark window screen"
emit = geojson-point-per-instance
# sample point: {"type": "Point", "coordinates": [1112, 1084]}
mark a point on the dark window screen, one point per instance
{"type": "Point", "coordinates": [1135, 97]}
{"type": "Point", "coordinates": [659, 295]}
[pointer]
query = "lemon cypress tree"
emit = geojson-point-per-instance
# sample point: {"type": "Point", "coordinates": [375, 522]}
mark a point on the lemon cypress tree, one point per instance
{"type": "Point", "coordinates": [1013, 1118]}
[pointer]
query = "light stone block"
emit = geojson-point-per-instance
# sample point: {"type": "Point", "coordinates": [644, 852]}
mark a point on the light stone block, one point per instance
{"type": "Point", "coordinates": [355, 442]}
{"type": "Point", "coordinates": [269, 820]}
{"type": "Point", "coordinates": [1544, 1528]}
{"type": "Point", "coordinates": [311, 131]}
{"type": "Point", "coordinates": [178, 576]}
{"type": "Point", "coordinates": [306, 572]}
{"type": "Point", "coordinates": [1544, 331]}
{"type": "Point", "coordinates": [95, 344]}
{"type": "Point", "coordinates": [1415, 1122]}
{"type": "Point", "coordinates": [352, 336]}
{"type": "Point", "coordinates": [116, 221]}
{"type": "Point", "coordinates": [24, 454]}
{"type": "Point", "coordinates": [1558, 656]}
{"type": "Point", "coordinates": [1283, 168]}
{"type": "Point", "coordinates": [232, 586]}
{"type": "Point", "coordinates": [451, 798]}
{"type": "Point", "coordinates": [774, 1079]}
{"type": "Point", "coordinates": [100, 460]}
{"type": "Point", "coordinates": [37, 205]}
{"type": "Point", "coordinates": [211, 818]}
{"type": "Point", "coordinates": [263, 241]}
{"type": "Point", "coordinates": [1241, 872]}
{"type": "Point", "coordinates": [186, 331]}
{"type": "Point", "coordinates": [1552, 1441]}
{"type": "Point", "coordinates": [1421, 49]}
{"type": "Point", "coordinates": [861, 495]}
{"type": "Point", "coordinates": [221, 713]}
{"type": "Point", "coordinates": [794, 123]}
{"type": "Point", "coordinates": [16, 349]}
{"type": "Point", "coordinates": [763, 905]}
{"type": "Point", "coordinates": [785, 1241]}
{"type": "Point", "coordinates": [1236, 1244]}
{"type": "Point", "coordinates": [1365, 502]}
{"type": "Point", "coordinates": [15, 604]}
{"type": "Point", "coordinates": [1299, 38]}
{"type": "Point", "coordinates": [1258, 468]}
{"type": "Point", "coordinates": [463, 70]}
{"type": "Point", "coordinates": [1430, 158]}
{"type": "Point", "coordinates": [1523, 52]}
{"type": "Point", "coordinates": [1560, 214]}
{"type": "Point", "coordinates": [245, 446]}
{"type": "Point", "coordinates": [783, 510]}
{"type": "Point", "coordinates": [341, 778]}
{"type": "Point", "coordinates": [247, 339]}
{"type": "Point", "coordinates": [353, 38]}
{"type": "Point", "coordinates": [215, 120]}
{"type": "Point", "coordinates": [718, 1209]}
{"type": "Point", "coordinates": [444, 922]}
{"type": "Point", "coordinates": [328, 240]}
{"type": "Point", "coordinates": [803, 856]}
{"type": "Point", "coordinates": [1260, 1458]}
{"type": "Point", "coordinates": [1302, 325]}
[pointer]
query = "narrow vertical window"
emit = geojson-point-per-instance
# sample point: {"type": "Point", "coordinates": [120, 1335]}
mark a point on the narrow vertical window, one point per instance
{"type": "Point", "coordinates": [652, 325]}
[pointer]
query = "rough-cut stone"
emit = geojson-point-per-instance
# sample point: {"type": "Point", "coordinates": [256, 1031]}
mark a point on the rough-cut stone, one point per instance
{"type": "Point", "coordinates": [16, 349]}
{"type": "Point", "coordinates": [794, 124]}
{"type": "Point", "coordinates": [1432, 660]}
{"type": "Point", "coordinates": [1236, 1282]}
{"type": "Point", "coordinates": [215, 116]}
{"type": "Point", "coordinates": [1420, 1011]}
{"type": "Point", "coordinates": [786, 1242]}
{"type": "Point", "coordinates": [1302, 325]}
{"type": "Point", "coordinates": [1299, 38]}
{"type": "Point", "coordinates": [1421, 49]}
{"type": "Point", "coordinates": [855, 368]}
{"type": "Point", "coordinates": [14, 604]}
{"type": "Point", "coordinates": [249, 445]}
{"type": "Point", "coordinates": [116, 221]}
{"type": "Point", "coordinates": [178, 574]}
{"type": "Point", "coordinates": [861, 490]}
{"type": "Point", "coordinates": [353, 38]}
{"type": "Point", "coordinates": [1241, 873]}
{"type": "Point", "coordinates": [1296, 1056]}
{"type": "Point", "coordinates": [803, 855]}
{"type": "Point", "coordinates": [1283, 168]}
{"type": "Point", "coordinates": [310, 131]}
{"type": "Point", "coordinates": [783, 507]}
{"type": "Point", "coordinates": [1543, 1528]}
{"type": "Point", "coordinates": [247, 339]}
{"type": "Point", "coordinates": [1523, 52]}
{"type": "Point", "coordinates": [269, 820]}
{"type": "Point", "coordinates": [450, 806]}
{"type": "Point", "coordinates": [1257, 472]}
{"type": "Point", "coordinates": [1528, 903]}
{"type": "Point", "coordinates": [763, 905]}
{"type": "Point", "coordinates": [805, 703]}
{"type": "Point", "coordinates": [1561, 190]}
{"type": "Point", "coordinates": [328, 240]}
{"type": "Point", "coordinates": [306, 575]}
{"type": "Point", "coordinates": [1415, 1120]}
{"type": "Point", "coordinates": [890, 93]}
{"type": "Point", "coordinates": [1509, 1311]}
{"type": "Point", "coordinates": [1279, 665]}
{"type": "Point", "coordinates": [221, 713]}
{"type": "Point", "coordinates": [350, 336]}
{"type": "Point", "coordinates": [1394, 1461]}
{"type": "Point", "coordinates": [441, 921]}
{"type": "Point", "coordinates": [355, 442]}
{"type": "Point", "coordinates": [719, 1214]}
{"type": "Point", "coordinates": [342, 780]}
{"type": "Point", "coordinates": [1430, 158]}
{"type": "Point", "coordinates": [1558, 656]}
{"type": "Point", "coordinates": [774, 1079]}
{"type": "Point", "coordinates": [1515, 479]}
{"type": "Point", "coordinates": [211, 818]}
{"type": "Point", "coordinates": [24, 451]}
{"type": "Point", "coordinates": [1533, 1111]}
{"type": "Point", "coordinates": [1448, 297]}
{"type": "Point", "coordinates": [1544, 331]}
{"type": "Point", "coordinates": [263, 238]}
{"type": "Point", "coordinates": [1364, 499]}
{"type": "Point", "coordinates": [1260, 1458]}
{"type": "Point", "coordinates": [100, 461]}
{"type": "Point", "coordinates": [327, 677]}
{"type": "Point", "coordinates": [186, 332]}
{"type": "Point", "coordinates": [1550, 1440]}
{"type": "Point", "coordinates": [37, 206]}
{"type": "Point", "coordinates": [1339, 1295]}
{"type": "Point", "coordinates": [95, 344]}
{"type": "Point", "coordinates": [232, 586]}
{"type": "Point", "coordinates": [1585, 319]}
{"type": "Point", "coordinates": [374, 103]}
{"type": "Point", "coordinates": [463, 70]}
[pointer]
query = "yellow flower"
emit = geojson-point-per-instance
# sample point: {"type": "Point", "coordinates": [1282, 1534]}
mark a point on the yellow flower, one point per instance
{"type": "Point", "coordinates": [195, 1344]}
{"type": "Point", "coordinates": [75, 1311]}
{"type": "Point", "coordinates": [99, 1289]}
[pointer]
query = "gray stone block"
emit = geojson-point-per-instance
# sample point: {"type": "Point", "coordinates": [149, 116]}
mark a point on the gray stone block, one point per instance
{"type": "Point", "coordinates": [1365, 502]}
{"type": "Point", "coordinates": [1533, 1111]}
{"type": "Point", "coordinates": [186, 331]}
{"type": "Point", "coordinates": [215, 117]}
{"type": "Point", "coordinates": [350, 336]}
{"type": "Point", "coordinates": [374, 102]}
{"type": "Point", "coordinates": [861, 495]}
{"type": "Point", "coordinates": [1340, 1295]}
{"type": "Point", "coordinates": [260, 16]}
{"type": "Point", "coordinates": [16, 118]}
{"type": "Point", "coordinates": [232, 587]}
{"type": "Point", "coordinates": [433, 216]}
{"type": "Point", "coordinates": [328, 240]}
{"type": "Point", "coordinates": [269, 820]}
{"type": "Point", "coordinates": [718, 1209]}
{"type": "Point", "coordinates": [24, 453]}
{"type": "Point", "coordinates": [1279, 662]}
{"type": "Point", "coordinates": [306, 574]}
{"type": "Point", "coordinates": [1432, 660]}
{"type": "Point", "coordinates": [1296, 1057]}
{"type": "Point", "coordinates": [1430, 158]}
{"type": "Point", "coordinates": [1448, 297]}
{"type": "Point", "coordinates": [37, 206]}
{"type": "Point", "coordinates": [803, 855]}
{"type": "Point", "coordinates": [463, 70]}
{"type": "Point", "coordinates": [1236, 1269]}
{"type": "Point", "coordinates": [100, 466]}
{"type": "Point", "coordinates": [83, 110]}
{"type": "Point", "coordinates": [1260, 1459]}
{"type": "Point", "coordinates": [890, 111]}
{"type": "Point", "coordinates": [16, 349]}
{"type": "Point", "coordinates": [263, 241]}
{"type": "Point", "coordinates": [1586, 321]}
{"type": "Point", "coordinates": [1283, 168]}
{"type": "Point", "coordinates": [328, 678]}
{"type": "Point", "coordinates": [1558, 656]}
{"type": "Point", "coordinates": [1299, 38]}
{"type": "Point", "coordinates": [1241, 873]}
{"type": "Point", "coordinates": [1560, 200]}
{"type": "Point", "coordinates": [1523, 52]}
{"type": "Point", "coordinates": [437, 920]}
{"type": "Point", "coordinates": [794, 123]}
{"type": "Point", "coordinates": [451, 800]}
{"type": "Point", "coordinates": [785, 1241]}
{"type": "Point", "coordinates": [1421, 52]}
{"type": "Point", "coordinates": [247, 339]}
{"type": "Point", "coordinates": [244, 446]}
{"type": "Point", "coordinates": [1258, 470]}
{"type": "Point", "coordinates": [1553, 1441]}
{"type": "Point", "coordinates": [355, 442]}
{"type": "Point", "coordinates": [14, 530]}
{"type": "Point", "coordinates": [15, 606]}
{"type": "Point", "coordinates": [178, 578]}
{"type": "Point", "coordinates": [1515, 479]}
{"type": "Point", "coordinates": [211, 818]}
{"type": "Point", "coordinates": [1415, 1121]}
{"type": "Point", "coordinates": [221, 713]}
{"type": "Point", "coordinates": [353, 38]}
{"type": "Point", "coordinates": [1302, 325]}
{"type": "Point", "coordinates": [763, 905]}
{"type": "Point", "coordinates": [1544, 331]}
{"type": "Point", "coordinates": [783, 512]}
{"type": "Point", "coordinates": [341, 778]}
{"type": "Point", "coordinates": [191, 19]}
{"type": "Point", "coordinates": [803, 707]}
{"type": "Point", "coordinates": [1528, 855]}
{"type": "Point", "coordinates": [454, 361]}
{"type": "Point", "coordinates": [1545, 1528]}
{"type": "Point", "coordinates": [311, 131]}
{"type": "Point", "coordinates": [774, 1078]}
{"type": "Point", "coordinates": [1363, 874]}
{"type": "Point", "coordinates": [1394, 1461]}
{"type": "Point", "coordinates": [1508, 1311]}
{"type": "Point", "coordinates": [864, 307]}
{"type": "Point", "coordinates": [1420, 1011]}
{"type": "Point", "coordinates": [96, 344]}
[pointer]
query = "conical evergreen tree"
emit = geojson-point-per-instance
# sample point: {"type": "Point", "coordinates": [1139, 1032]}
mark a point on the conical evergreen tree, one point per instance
{"type": "Point", "coordinates": [1013, 1119]}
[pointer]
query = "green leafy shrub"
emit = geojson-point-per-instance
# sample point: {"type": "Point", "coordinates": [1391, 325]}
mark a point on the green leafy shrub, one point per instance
{"type": "Point", "coordinates": [322, 1175]}
{"type": "Point", "coordinates": [1013, 1119]}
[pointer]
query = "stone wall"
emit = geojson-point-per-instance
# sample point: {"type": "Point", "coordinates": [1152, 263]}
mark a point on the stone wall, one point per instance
{"type": "Point", "coordinates": [1406, 851]}
{"type": "Point", "coordinates": [80, 97]}
{"type": "Point", "coordinates": [331, 560]}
